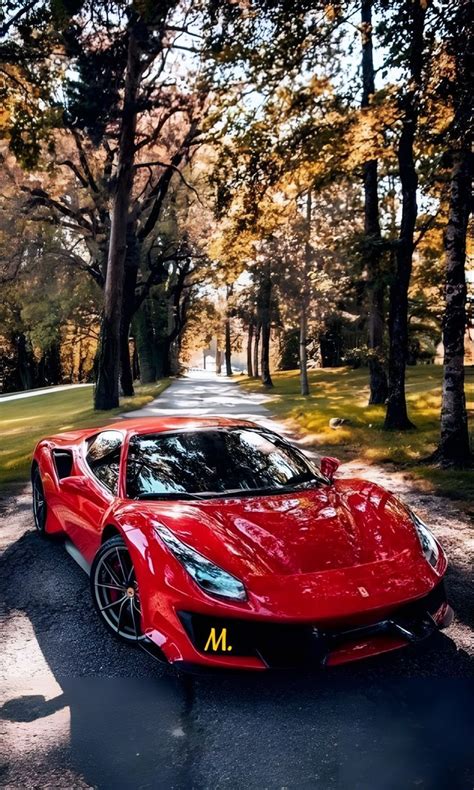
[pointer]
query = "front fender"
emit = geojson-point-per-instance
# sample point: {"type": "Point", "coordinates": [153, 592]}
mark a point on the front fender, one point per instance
{"type": "Point", "coordinates": [165, 588]}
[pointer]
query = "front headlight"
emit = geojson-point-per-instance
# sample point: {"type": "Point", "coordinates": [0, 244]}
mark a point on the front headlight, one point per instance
{"type": "Point", "coordinates": [209, 577]}
{"type": "Point", "coordinates": [428, 543]}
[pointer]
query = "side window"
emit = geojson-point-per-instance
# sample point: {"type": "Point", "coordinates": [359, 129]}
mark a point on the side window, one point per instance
{"type": "Point", "coordinates": [103, 458]}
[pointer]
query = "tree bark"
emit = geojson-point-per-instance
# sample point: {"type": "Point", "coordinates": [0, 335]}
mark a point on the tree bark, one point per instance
{"type": "Point", "coordinates": [135, 361]}
{"type": "Point", "coordinates": [303, 339]}
{"type": "Point", "coordinates": [249, 350]}
{"type": "Point", "coordinates": [49, 370]}
{"type": "Point", "coordinates": [454, 448]}
{"type": "Point", "coordinates": [132, 263]}
{"type": "Point", "coordinates": [397, 415]}
{"type": "Point", "coordinates": [144, 341]}
{"type": "Point", "coordinates": [256, 350]}
{"type": "Point", "coordinates": [162, 358]}
{"type": "Point", "coordinates": [218, 361]}
{"type": "Point", "coordinates": [107, 389]}
{"type": "Point", "coordinates": [228, 339]}
{"type": "Point", "coordinates": [266, 298]}
{"type": "Point", "coordinates": [373, 249]}
{"type": "Point", "coordinates": [26, 362]}
{"type": "Point", "coordinates": [228, 349]}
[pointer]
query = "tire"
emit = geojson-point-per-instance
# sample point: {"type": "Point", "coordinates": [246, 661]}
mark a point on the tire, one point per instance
{"type": "Point", "coordinates": [40, 508]}
{"type": "Point", "coordinates": [115, 591]}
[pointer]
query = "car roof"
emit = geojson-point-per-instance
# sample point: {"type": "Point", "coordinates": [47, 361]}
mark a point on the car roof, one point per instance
{"type": "Point", "coordinates": [161, 424]}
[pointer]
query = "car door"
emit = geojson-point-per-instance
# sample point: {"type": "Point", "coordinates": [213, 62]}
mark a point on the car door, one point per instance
{"type": "Point", "coordinates": [94, 491]}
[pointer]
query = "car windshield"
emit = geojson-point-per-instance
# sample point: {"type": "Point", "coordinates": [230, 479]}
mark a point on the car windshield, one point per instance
{"type": "Point", "coordinates": [214, 462]}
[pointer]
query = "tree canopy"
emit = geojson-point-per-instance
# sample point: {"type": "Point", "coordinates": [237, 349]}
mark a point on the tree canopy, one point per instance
{"type": "Point", "coordinates": [292, 178]}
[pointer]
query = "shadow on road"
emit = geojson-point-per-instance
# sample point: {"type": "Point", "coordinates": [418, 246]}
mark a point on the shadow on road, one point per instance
{"type": "Point", "coordinates": [400, 721]}
{"type": "Point", "coordinates": [460, 579]}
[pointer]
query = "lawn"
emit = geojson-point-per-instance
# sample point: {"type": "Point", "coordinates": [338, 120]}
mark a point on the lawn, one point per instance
{"type": "Point", "coordinates": [343, 392]}
{"type": "Point", "coordinates": [23, 422]}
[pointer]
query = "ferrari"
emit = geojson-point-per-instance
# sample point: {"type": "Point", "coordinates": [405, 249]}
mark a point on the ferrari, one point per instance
{"type": "Point", "coordinates": [215, 542]}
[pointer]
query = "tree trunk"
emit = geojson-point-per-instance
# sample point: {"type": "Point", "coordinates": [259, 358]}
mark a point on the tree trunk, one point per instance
{"type": "Point", "coordinates": [49, 367]}
{"type": "Point", "coordinates": [266, 297]}
{"type": "Point", "coordinates": [144, 340]}
{"type": "Point", "coordinates": [378, 378]}
{"type": "Point", "coordinates": [256, 350]}
{"type": "Point", "coordinates": [135, 362]}
{"type": "Point", "coordinates": [132, 263]}
{"type": "Point", "coordinates": [303, 356]}
{"type": "Point", "coordinates": [397, 416]}
{"type": "Point", "coordinates": [107, 389]}
{"type": "Point", "coordinates": [218, 361]}
{"type": "Point", "coordinates": [228, 349]}
{"type": "Point", "coordinates": [126, 375]}
{"type": "Point", "coordinates": [454, 449]}
{"type": "Point", "coordinates": [249, 350]}
{"type": "Point", "coordinates": [25, 362]}
{"type": "Point", "coordinates": [228, 339]}
{"type": "Point", "coordinates": [162, 358]}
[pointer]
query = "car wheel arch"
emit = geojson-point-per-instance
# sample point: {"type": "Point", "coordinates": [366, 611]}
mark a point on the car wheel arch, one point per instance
{"type": "Point", "coordinates": [112, 531]}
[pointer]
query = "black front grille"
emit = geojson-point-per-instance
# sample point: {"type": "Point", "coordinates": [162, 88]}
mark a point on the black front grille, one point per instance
{"type": "Point", "coordinates": [282, 645]}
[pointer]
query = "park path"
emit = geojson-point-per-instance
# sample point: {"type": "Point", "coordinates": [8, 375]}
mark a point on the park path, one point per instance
{"type": "Point", "coordinates": [201, 394]}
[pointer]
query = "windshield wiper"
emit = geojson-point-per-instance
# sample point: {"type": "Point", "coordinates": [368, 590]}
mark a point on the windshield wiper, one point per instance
{"type": "Point", "coordinates": [232, 492]}
{"type": "Point", "coordinates": [304, 477]}
{"type": "Point", "coordinates": [169, 495]}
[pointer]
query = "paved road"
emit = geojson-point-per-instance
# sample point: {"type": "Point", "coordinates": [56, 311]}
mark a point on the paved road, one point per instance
{"type": "Point", "coordinates": [201, 394]}
{"type": "Point", "coordinates": [80, 710]}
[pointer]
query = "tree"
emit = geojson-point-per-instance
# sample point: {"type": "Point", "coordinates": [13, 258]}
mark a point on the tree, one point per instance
{"type": "Point", "coordinates": [107, 388]}
{"type": "Point", "coordinates": [454, 448]}
{"type": "Point", "coordinates": [413, 14]}
{"type": "Point", "coordinates": [228, 336]}
{"type": "Point", "coordinates": [265, 313]}
{"type": "Point", "coordinates": [373, 236]}
{"type": "Point", "coordinates": [303, 339]}
{"type": "Point", "coordinates": [128, 65]}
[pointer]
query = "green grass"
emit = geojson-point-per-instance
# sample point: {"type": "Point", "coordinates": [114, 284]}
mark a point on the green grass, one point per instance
{"type": "Point", "coordinates": [342, 392]}
{"type": "Point", "coordinates": [23, 422]}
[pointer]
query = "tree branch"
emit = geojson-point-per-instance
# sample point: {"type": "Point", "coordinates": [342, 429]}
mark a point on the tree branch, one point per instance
{"type": "Point", "coordinates": [75, 170]}
{"type": "Point", "coordinates": [83, 160]}
{"type": "Point", "coordinates": [41, 198]}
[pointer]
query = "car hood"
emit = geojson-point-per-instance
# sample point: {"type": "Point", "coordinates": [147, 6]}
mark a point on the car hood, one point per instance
{"type": "Point", "coordinates": [325, 528]}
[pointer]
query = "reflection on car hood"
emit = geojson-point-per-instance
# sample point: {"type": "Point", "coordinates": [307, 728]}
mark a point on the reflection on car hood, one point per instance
{"type": "Point", "coordinates": [326, 527]}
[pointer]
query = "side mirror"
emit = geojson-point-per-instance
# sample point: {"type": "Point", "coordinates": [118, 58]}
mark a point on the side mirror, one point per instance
{"type": "Point", "coordinates": [329, 466]}
{"type": "Point", "coordinates": [75, 484]}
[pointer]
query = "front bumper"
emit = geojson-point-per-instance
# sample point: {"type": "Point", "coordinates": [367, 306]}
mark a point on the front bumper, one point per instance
{"type": "Point", "coordinates": [262, 644]}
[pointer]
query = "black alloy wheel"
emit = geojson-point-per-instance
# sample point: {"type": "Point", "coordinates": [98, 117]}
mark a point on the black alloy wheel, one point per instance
{"type": "Point", "coordinates": [115, 590]}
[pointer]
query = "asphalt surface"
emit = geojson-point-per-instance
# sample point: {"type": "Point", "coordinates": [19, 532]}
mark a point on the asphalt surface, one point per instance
{"type": "Point", "coordinates": [80, 710]}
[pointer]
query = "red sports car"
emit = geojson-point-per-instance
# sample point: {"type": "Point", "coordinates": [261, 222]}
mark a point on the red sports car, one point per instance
{"type": "Point", "coordinates": [216, 542]}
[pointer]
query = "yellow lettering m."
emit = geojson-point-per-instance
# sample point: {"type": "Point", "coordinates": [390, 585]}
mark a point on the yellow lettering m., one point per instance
{"type": "Point", "coordinates": [216, 643]}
